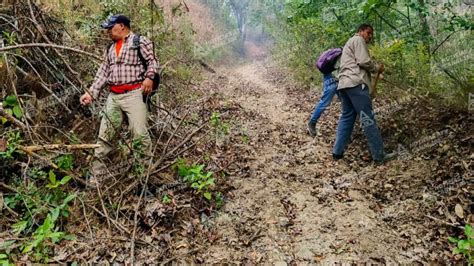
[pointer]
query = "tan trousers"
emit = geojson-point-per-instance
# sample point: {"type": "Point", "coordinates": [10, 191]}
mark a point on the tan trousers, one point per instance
{"type": "Point", "coordinates": [132, 105]}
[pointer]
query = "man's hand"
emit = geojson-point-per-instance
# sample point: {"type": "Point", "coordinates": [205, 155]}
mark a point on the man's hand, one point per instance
{"type": "Point", "coordinates": [381, 68]}
{"type": "Point", "coordinates": [86, 99]}
{"type": "Point", "coordinates": [147, 86]}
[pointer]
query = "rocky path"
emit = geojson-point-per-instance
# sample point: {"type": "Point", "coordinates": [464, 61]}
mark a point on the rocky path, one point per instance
{"type": "Point", "coordinates": [293, 204]}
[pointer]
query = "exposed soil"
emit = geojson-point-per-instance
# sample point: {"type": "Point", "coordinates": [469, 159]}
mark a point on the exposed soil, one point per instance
{"type": "Point", "coordinates": [292, 203]}
{"type": "Point", "coordinates": [286, 200]}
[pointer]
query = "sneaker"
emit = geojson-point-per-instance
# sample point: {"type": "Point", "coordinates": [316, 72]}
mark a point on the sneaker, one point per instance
{"type": "Point", "coordinates": [387, 157]}
{"type": "Point", "coordinates": [312, 129]}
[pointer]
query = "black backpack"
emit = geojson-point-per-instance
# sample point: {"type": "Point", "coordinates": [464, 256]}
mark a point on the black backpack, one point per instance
{"type": "Point", "coordinates": [156, 78]}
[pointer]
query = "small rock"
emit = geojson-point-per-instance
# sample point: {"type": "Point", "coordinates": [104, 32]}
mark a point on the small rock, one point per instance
{"type": "Point", "coordinates": [284, 222]}
{"type": "Point", "coordinates": [304, 254]}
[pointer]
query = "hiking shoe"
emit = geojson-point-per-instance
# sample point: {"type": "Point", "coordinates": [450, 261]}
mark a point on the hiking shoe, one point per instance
{"type": "Point", "coordinates": [337, 157]}
{"type": "Point", "coordinates": [387, 157]}
{"type": "Point", "coordinates": [312, 129]}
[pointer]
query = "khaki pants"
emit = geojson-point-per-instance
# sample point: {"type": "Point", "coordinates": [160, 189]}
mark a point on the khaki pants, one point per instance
{"type": "Point", "coordinates": [132, 105]}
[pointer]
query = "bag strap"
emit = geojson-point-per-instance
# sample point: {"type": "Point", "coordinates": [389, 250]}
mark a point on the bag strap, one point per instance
{"type": "Point", "coordinates": [136, 44]}
{"type": "Point", "coordinates": [108, 50]}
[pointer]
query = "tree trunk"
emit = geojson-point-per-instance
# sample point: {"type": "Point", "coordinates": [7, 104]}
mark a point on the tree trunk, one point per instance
{"type": "Point", "coordinates": [425, 28]}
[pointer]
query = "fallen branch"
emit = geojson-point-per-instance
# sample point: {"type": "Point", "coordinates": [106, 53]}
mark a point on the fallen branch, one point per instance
{"type": "Point", "coordinates": [135, 217]}
{"type": "Point", "coordinates": [53, 165]}
{"type": "Point", "coordinates": [178, 154]}
{"type": "Point", "coordinates": [47, 45]}
{"type": "Point", "coordinates": [97, 185]}
{"type": "Point", "coordinates": [186, 139]}
{"type": "Point", "coordinates": [117, 224]}
{"type": "Point", "coordinates": [12, 119]}
{"type": "Point", "coordinates": [444, 222]}
{"type": "Point", "coordinates": [59, 146]}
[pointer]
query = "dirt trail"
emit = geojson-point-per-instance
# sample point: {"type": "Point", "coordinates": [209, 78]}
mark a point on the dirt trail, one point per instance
{"type": "Point", "coordinates": [293, 204]}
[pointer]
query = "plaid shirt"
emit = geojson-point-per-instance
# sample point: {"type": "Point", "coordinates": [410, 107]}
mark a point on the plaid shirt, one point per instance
{"type": "Point", "coordinates": [126, 68]}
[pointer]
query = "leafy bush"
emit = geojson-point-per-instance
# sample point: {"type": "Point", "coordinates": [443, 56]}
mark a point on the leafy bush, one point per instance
{"type": "Point", "coordinates": [196, 178]}
{"type": "Point", "coordinates": [220, 127]}
{"type": "Point", "coordinates": [65, 161]}
{"type": "Point", "coordinates": [12, 107]}
{"type": "Point", "coordinates": [13, 139]}
{"type": "Point", "coordinates": [422, 43]}
{"type": "Point", "coordinates": [42, 209]}
{"type": "Point", "coordinates": [465, 246]}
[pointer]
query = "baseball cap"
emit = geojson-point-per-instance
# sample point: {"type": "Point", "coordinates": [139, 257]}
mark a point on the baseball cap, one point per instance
{"type": "Point", "coordinates": [114, 19]}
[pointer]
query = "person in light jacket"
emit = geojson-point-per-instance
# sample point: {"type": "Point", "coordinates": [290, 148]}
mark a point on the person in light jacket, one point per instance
{"type": "Point", "coordinates": [355, 71]}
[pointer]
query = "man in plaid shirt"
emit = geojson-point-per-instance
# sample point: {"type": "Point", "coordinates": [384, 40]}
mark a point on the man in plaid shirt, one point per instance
{"type": "Point", "coordinates": [128, 80]}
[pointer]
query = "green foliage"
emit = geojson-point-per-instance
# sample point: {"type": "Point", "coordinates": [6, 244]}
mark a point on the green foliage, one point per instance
{"type": "Point", "coordinates": [196, 178]}
{"type": "Point", "coordinates": [422, 43]}
{"type": "Point", "coordinates": [138, 167]}
{"type": "Point", "coordinates": [48, 233]}
{"type": "Point", "coordinates": [4, 261]}
{"type": "Point", "coordinates": [166, 199]}
{"type": "Point", "coordinates": [54, 183]}
{"type": "Point", "coordinates": [65, 162]}
{"type": "Point", "coordinates": [222, 12]}
{"type": "Point", "coordinates": [9, 37]}
{"type": "Point", "coordinates": [220, 127]}
{"type": "Point", "coordinates": [42, 209]}
{"type": "Point", "coordinates": [244, 137]}
{"type": "Point", "coordinates": [465, 246]}
{"type": "Point", "coordinates": [12, 107]}
{"type": "Point", "coordinates": [112, 7]}
{"type": "Point", "coordinates": [219, 200]}
{"type": "Point", "coordinates": [13, 140]}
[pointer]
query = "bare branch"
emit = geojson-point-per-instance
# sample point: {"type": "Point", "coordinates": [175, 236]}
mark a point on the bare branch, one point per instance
{"type": "Point", "coordinates": [47, 45]}
{"type": "Point", "coordinates": [60, 146]}
{"type": "Point", "coordinates": [12, 119]}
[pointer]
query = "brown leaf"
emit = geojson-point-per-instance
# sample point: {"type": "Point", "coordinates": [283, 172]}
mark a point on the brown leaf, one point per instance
{"type": "Point", "coordinates": [459, 211]}
{"type": "Point", "coordinates": [3, 145]}
{"type": "Point", "coordinates": [466, 166]}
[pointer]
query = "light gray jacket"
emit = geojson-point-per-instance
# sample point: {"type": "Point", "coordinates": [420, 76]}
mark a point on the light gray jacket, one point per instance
{"type": "Point", "coordinates": [356, 64]}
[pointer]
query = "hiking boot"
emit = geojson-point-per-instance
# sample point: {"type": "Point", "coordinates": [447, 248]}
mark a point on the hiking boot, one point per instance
{"type": "Point", "coordinates": [387, 157]}
{"type": "Point", "coordinates": [312, 129]}
{"type": "Point", "coordinates": [336, 157]}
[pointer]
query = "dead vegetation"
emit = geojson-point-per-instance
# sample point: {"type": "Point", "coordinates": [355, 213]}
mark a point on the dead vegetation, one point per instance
{"type": "Point", "coordinates": [139, 208]}
{"type": "Point", "coordinates": [287, 201]}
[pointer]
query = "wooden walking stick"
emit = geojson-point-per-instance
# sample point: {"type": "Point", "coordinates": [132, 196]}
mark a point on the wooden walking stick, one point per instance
{"type": "Point", "coordinates": [373, 90]}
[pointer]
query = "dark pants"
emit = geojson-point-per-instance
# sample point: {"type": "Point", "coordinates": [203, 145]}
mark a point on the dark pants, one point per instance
{"type": "Point", "coordinates": [356, 101]}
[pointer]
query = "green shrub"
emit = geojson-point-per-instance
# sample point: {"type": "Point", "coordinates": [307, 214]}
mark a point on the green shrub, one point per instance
{"type": "Point", "coordinates": [194, 176]}
{"type": "Point", "coordinates": [42, 209]}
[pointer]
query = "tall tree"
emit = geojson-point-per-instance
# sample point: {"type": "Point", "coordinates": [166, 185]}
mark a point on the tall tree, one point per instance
{"type": "Point", "coordinates": [240, 9]}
